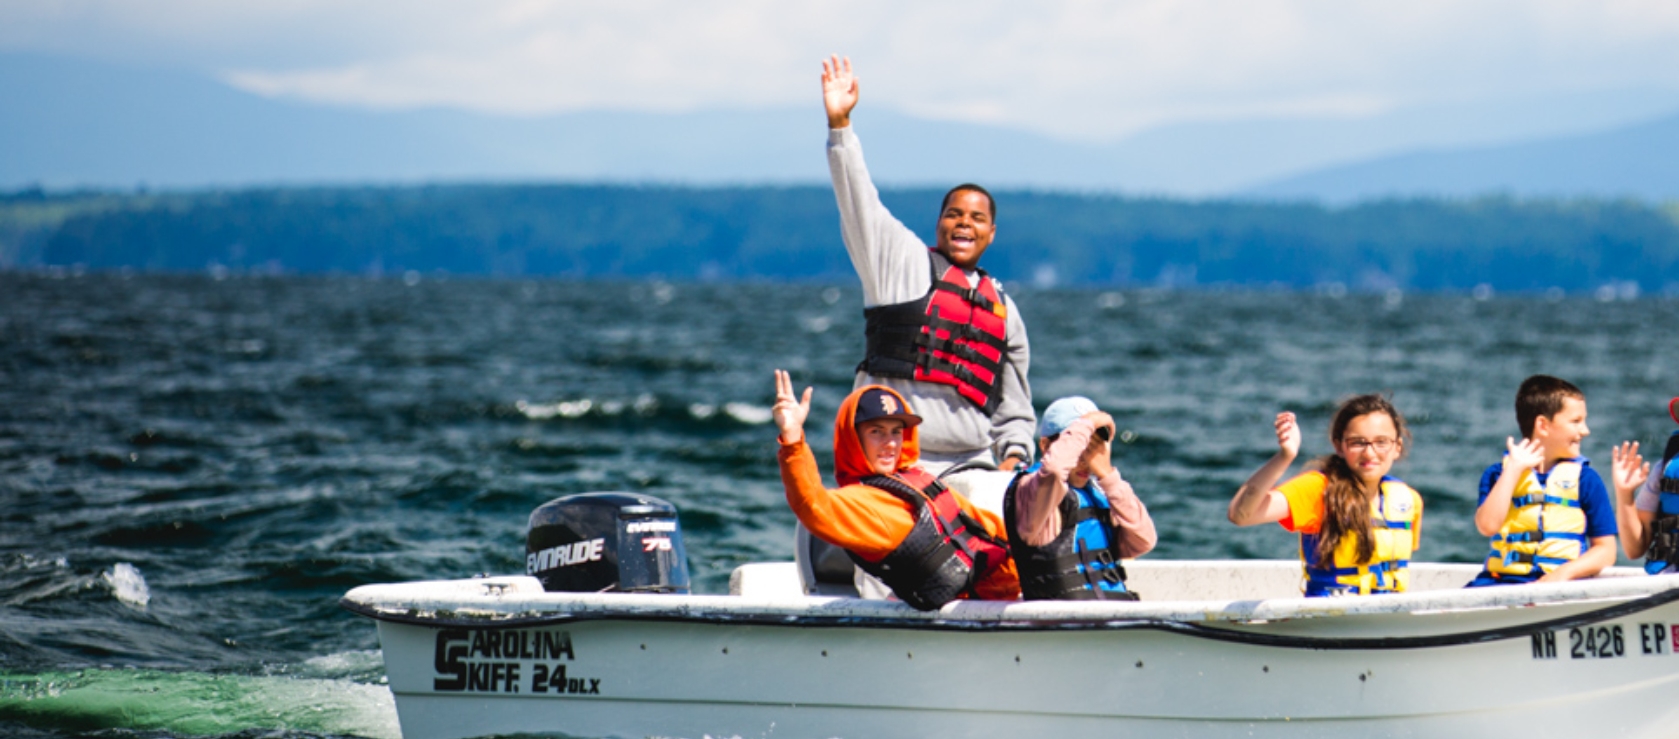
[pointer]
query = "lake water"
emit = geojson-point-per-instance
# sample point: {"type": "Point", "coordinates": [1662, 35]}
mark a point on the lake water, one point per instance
{"type": "Point", "coordinates": [194, 470]}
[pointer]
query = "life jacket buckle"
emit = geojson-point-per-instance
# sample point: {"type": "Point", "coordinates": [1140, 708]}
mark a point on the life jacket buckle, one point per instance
{"type": "Point", "coordinates": [1107, 570]}
{"type": "Point", "coordinates": [1664, 546]}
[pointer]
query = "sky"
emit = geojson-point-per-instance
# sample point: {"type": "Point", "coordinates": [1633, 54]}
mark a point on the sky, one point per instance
{"type": "Point", "coordinates": [1077, 70]}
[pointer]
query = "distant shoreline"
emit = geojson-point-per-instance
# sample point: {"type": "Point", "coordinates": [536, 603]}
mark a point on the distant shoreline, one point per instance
{"type": "Point", "coordinates": [775, 234]}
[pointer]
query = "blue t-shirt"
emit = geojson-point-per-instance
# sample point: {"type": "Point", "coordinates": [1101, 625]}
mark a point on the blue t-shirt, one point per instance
{"type": "Point", "coordinates": [1594, 502]}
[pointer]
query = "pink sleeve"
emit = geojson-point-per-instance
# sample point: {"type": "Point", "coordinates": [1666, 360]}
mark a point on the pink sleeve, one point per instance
{"type": "Point", "coordinates": [1037, 519]}
{"type": "Point", "coordinates": [1129, 515]}
{"type": "Point", "coordinates": [1063, 455]}
{"type": "Point", "coordinates": [1036, 500]}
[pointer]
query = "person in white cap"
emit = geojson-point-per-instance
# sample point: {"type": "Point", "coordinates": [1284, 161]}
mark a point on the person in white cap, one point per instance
{"type": "Point", "coordinates": [1071, 518]}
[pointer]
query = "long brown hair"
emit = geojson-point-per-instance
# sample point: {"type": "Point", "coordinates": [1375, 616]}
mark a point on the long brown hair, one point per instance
{"type": "Point", "coordinates": [1346, 510]}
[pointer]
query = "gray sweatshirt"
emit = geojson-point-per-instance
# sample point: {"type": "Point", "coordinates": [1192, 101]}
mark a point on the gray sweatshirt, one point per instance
{"type": "Point", "coordinates": [893, 266]}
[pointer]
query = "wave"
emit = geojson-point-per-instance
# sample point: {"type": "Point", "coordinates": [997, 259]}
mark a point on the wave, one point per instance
{"type": "Point", "coordinates": [645, 406]}
{"type": "Point", "coordinates": [128, 585]}
{"type": "Point", "coordinates": [318, 701]}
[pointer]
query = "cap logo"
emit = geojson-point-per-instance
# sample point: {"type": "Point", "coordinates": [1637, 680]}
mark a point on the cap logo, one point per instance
{"type": "Point", "coordinates": [889, 404]}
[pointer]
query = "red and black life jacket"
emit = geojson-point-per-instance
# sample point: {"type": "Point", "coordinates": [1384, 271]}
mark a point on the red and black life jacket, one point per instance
{"type": "Point", "coordinates": [944, 555]}
{"type": "Point", "coordinates": [954, 335]}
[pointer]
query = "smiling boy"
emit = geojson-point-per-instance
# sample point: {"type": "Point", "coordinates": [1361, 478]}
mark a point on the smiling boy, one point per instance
{"type": "Point", "coordinates": [928, 543]}
{"type": "Point", "coordinates": [1548, 512]}
{"type": "Point", "coordinates": [940, 331]}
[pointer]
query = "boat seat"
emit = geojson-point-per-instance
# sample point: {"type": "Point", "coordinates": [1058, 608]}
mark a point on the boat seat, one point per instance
{"type": "Point", "coordinates": [824, 569]}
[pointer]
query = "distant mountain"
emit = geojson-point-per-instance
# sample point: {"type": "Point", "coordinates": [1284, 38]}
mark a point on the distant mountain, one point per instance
{"type": "Point", "coordinates": [70, 123]}
{"type": "Point", "coordinates": [1636, 162]}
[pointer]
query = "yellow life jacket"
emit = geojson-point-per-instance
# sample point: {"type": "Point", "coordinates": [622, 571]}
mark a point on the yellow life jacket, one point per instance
{"type": "Point", "coordinates": [1545, 526]}
{"type": "Point", "coordinates": [1393, 513]}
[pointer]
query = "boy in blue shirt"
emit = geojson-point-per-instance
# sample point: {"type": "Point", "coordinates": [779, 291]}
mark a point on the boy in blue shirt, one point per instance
{"type": "Point", "coordinates": [1548, 512]}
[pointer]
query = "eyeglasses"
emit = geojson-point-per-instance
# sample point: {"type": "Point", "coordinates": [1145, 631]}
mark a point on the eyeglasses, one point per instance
{"type": "Point", "coordinates": [1382, 444]}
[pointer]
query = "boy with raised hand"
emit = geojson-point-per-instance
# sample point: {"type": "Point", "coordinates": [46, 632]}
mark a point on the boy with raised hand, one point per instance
{"type": "Point", "coordinates": [941, 331]}
{"type": "Point", "coordinates": [1548, 513]}
{"type": "Point", "coordinates": [898, 523]}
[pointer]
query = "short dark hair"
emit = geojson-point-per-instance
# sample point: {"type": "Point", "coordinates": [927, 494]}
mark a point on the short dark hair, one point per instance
{"type": "Point", "coordinates": [1542, 395]}
{"type": "Point", "coordinates": [991, 202]}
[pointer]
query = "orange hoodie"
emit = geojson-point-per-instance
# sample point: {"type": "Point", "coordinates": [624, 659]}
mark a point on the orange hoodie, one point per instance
{"type": "Point", "coordinates": [864, 520]}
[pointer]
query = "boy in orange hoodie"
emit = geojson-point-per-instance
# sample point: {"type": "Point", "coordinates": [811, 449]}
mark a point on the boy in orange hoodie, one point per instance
{"type": "Point", "coordinates": [898, 523]}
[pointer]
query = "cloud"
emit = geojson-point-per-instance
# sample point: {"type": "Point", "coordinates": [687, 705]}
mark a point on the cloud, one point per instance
{"type": "Point", "coordinates": [1078, 69]}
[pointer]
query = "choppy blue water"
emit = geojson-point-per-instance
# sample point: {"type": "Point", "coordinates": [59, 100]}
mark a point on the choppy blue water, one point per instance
{"type": "Point", "coordinates": [193, 471]}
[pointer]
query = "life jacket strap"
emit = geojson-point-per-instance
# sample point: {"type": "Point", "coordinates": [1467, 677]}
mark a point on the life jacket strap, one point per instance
{"type": "Point", "coordinates": [1542, 499]}
{"type": "Point", "coordinates": [1081, 514]}
{"type": "Point", "coordinates": [1664, 539]}
{"type": "Point", "coordinates": [987, 402]}
{"type": "Point", "coordinates": [1100, 567]}
{"type": "Point", "coordinates": [1514, 557]}
{"type": "Point", "coordinates": [957, 330]}
{"type": "Point", "coordinates": [972, 295]}
{"type": "Point", "coordinates": [1088, 577]}
{"type": "Point", "coordinates": [1321, 588]}
{"type": "Point", "coordinates": [960, 350]}
{"type": "Point", "coordinates": [1538, 536]}
{"type": "Point", "coordinates": [1326, 580]}
{"type": "Point", "coordinates": [1386, 566]}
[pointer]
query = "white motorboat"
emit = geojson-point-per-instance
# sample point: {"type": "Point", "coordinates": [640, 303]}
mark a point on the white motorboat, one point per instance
{"type": "Point", "coordinates": [1214, 649]}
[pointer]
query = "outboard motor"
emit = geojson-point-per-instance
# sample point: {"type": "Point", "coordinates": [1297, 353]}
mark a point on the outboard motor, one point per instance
{"type": "Point", "coordinates": [597, 542]}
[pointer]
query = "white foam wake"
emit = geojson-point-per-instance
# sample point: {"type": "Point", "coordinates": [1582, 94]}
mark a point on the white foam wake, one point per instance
{"type": "Point", "coordinates": [128, 585]}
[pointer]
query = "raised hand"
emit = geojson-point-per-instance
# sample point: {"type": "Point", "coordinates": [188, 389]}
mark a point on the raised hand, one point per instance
{"type": "Point", "coordinates": [1630, 470]}
{"type": "Point", "coordinates": [839, 90]}
{"type": "Point", "coordinates": [1257, 500]}
{"type": "Point", "coordinates": [1288, 434]}
{"type": "Point", "coordinates": [1100, 420]}
{"type": "Point", "coordinates": [789, 411]}
{"type": "Point", "coordinates": [1524, 456]}
{"type": "Point", "coordinates": [1098, 455]}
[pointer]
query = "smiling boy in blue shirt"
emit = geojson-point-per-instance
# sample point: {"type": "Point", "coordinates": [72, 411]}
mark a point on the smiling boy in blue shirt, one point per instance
{"type": "Point", "coordinates": [1548, 512]}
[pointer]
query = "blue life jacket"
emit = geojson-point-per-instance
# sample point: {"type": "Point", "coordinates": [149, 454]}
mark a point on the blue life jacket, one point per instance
{"type": "Point", "coordinates": [1664, 531]}
{"type": "Point", "coordinates": [1082, 562]}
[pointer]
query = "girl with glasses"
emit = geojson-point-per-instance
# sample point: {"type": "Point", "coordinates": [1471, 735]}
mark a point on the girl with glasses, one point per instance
{"type": "Point", "coordinates": [1358, 526]}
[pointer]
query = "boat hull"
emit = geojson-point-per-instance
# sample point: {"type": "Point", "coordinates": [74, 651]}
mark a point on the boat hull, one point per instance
{"type": "Point", "coordinates": [596, 665]}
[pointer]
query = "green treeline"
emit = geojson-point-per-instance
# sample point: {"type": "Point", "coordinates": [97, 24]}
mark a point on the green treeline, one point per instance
{"type": "Point", "coordinates": [792, 233]}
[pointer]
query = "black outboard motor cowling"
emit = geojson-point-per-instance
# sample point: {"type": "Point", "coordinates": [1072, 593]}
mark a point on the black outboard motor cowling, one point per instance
{"type": "Point", "coordinates": [594, 542]}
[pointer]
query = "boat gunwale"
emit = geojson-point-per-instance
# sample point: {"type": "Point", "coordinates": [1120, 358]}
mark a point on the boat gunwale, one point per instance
{"type": "Point", "coordinates": [502, 604]}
